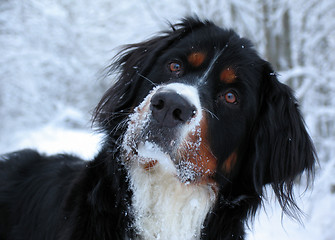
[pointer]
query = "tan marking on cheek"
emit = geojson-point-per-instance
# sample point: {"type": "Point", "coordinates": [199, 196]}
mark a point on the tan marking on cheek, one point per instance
{"type": "Point", "coordinates": [228, 75]}
{"type": "Point", "coordinates": [230, 162]}
{"type": "Point", "coordinates": [203, 160]}
{"type": "Point", "coordinates": [196, 58]}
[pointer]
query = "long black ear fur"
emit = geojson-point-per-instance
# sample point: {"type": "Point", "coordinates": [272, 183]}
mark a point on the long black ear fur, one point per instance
{"type": "Point", "coordinates": [283, 148]}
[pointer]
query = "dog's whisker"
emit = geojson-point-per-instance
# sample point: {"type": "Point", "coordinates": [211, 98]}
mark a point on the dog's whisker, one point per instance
{"type": "Point", "coordinates": [211, 113]}
{"type": "Point", "coordinates": [120, 125]}
{"type": "Point", "coordinates": [150, 81]}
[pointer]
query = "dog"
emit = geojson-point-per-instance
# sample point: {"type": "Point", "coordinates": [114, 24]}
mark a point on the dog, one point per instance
{"type": "Point", "coordinates": [196, 125]}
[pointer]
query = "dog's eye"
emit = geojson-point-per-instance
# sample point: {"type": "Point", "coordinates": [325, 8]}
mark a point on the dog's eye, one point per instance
{"type": "Point", "coordinates": [175, 67]}
{"type": "Point", "coordinates": [229, 97]}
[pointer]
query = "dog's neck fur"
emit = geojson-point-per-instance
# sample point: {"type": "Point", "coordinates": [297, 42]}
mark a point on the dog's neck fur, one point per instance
{"type": "Point", "coordinates": [164, 207]}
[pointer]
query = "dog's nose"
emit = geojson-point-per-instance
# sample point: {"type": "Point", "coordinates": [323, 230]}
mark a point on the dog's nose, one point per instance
{"type": "Point", "coordinates": [170, 108]}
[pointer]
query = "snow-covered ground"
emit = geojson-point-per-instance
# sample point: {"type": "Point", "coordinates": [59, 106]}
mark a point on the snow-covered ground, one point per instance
{"type": "Point", "coordinates": [51, 139]}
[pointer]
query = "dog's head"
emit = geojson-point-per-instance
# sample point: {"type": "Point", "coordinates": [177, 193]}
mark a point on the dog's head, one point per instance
{"type": "Point", "coordinates": [200, 101]}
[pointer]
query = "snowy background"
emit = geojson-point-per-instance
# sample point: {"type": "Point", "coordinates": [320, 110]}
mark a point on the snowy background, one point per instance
{"type": "Point", "coordinates": [52, 53]}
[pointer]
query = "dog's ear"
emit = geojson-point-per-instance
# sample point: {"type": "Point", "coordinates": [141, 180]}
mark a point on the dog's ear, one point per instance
{"type": "Point", "coordinates": [283, 148]}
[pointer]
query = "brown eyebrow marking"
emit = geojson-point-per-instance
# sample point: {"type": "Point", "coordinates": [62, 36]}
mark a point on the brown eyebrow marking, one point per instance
{"type": "Point", "coordinates": [196, 58]}
{"type": "Point", "coordinates": [228, 75]}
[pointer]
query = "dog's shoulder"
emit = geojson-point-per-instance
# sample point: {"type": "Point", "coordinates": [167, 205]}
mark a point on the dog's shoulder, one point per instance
{"type": "Point", "coordinates": [34, 174]}
{"type": "Point", "coordinates": [32, 187]}
{"type": "Point", "coordinates": [28, 162]}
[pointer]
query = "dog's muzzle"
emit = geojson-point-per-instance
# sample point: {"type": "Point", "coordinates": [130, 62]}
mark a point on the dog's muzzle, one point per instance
{"type": "Point", "coordinates": [169, 128]}
{"type": "Point", "coordinates": [165, 117]}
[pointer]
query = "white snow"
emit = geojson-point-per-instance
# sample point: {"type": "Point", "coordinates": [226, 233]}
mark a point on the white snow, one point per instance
{"type": "Point", "coordinates": [52, 139]}
{"type": "Point", "coordinates": [317, 221]}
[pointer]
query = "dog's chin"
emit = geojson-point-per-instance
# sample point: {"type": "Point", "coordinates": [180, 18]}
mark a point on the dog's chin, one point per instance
{"type": "Point", "coordinates": [154, 158]}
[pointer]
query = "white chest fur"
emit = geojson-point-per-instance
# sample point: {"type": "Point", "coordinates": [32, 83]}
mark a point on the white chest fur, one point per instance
{"type": "Point", "coordinates": [165, 208]}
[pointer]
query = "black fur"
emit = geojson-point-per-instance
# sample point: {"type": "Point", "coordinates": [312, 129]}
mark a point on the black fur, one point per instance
{"type": "Point", "coordinates": [63, 197]}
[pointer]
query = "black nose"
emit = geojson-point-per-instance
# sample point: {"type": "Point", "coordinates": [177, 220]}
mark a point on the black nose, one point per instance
{"type": "Point", "coordinates": [170, 109]}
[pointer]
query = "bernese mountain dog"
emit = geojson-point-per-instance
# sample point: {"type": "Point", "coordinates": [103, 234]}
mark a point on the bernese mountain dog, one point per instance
{"type": "Point", "coordinates": [196, 125]}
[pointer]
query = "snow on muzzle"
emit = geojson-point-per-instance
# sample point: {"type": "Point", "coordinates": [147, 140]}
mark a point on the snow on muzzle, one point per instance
{"type": "Point", "coordinates": [170, 128]}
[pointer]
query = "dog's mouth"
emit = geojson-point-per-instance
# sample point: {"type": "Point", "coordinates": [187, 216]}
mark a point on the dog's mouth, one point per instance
{"type": "Point", "coordinates": [167, 134]}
